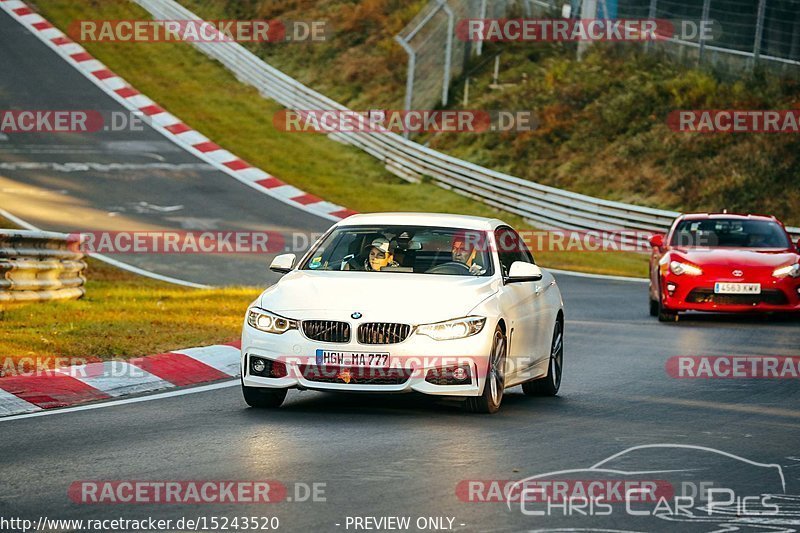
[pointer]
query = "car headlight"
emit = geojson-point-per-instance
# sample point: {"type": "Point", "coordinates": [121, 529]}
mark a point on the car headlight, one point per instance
{"type": "Point", "coordinates": [269, 322]}
{"type": "Point", "coordinates": [679, 269]}
{"type": "Point", "coordinates": [453, 329]}
{"type": "Point", "coordinates": [788, 270]}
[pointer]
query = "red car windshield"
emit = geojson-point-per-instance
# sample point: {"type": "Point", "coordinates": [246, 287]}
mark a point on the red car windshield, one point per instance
{"type": "Point", "coordinates": [729, 233]}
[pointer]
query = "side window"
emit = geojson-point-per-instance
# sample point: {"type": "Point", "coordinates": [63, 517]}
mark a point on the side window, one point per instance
{"type": "Point", "coordinates": [510, 248]}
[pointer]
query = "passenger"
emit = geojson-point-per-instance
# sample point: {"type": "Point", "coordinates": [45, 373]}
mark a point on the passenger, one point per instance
{"type": "Point", "coordinates": [465, 251]}
{"type": "Point", "coordinates": [378, 256]}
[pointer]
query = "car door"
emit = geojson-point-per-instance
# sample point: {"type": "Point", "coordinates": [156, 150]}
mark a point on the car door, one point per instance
{"type": "Point", "coordinates": [523, 305]}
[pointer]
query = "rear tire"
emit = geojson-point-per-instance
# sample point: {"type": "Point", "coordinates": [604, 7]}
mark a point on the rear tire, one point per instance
{"type": "Point", "coordinates": [653, 307]}
{"type": "Point", "coordinates": [263, 398]}
{"type": "Point", "coordinates": [494, 386]}
{"type": "Point", "coordinates": [549, 385]}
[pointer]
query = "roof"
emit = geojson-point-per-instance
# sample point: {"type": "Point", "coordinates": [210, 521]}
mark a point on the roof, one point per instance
{"type": "Point", "coordinates": [703, 216]}
{"type": "Point", "coordinates": [422, 219]}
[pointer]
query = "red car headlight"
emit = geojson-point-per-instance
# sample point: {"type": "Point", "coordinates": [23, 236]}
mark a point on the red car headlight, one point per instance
{"type": "Point", "coordinates": [678, 268]}
{"type": "Point", "coordinates": [787, 270]}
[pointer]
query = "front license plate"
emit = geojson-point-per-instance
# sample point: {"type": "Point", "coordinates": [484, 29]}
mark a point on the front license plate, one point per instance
{"type": "Point", "coordinates": [737, 288]}
{"type": "Point", "coordinates": [365, 359]}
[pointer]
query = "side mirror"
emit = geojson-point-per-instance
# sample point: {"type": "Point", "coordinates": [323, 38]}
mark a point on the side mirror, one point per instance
{"type": "Point", "coordinates": [521, 272]}
{"type": "Point", "coordinates": [657, 240]}
{"type": "Point", "coordinates": [283, 263]}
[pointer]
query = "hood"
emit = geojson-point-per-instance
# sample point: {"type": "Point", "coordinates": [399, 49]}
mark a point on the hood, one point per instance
{"type": "Point", "coordinates": [403, 298]}
{"type": "Point", "coordinates": [735, 257]}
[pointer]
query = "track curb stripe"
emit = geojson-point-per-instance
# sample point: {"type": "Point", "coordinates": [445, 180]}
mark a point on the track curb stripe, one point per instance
{"type": "Point", "coordinates": [179, 369]}
{"type": "Point", "coordinates": [79, 384]}
{"type": "Point", "coordinates": [172, 128]}
{"type": "Point", "coordinates": [51, 390]}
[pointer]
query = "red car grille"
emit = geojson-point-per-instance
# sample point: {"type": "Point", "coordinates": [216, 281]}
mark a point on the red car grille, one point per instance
{"type": "Point", "coordinates": [707, 296]}
{"type": "Point", "coordinates": [355, 376]}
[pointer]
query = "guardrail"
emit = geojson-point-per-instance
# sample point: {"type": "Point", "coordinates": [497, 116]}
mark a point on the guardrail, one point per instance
{"type": "Point", "coordinates": [40, 265]}
{"type": "Point", "coordinates": [548, 207]}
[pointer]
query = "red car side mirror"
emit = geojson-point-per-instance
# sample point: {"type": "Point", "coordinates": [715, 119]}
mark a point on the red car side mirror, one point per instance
{"type": "Point", "coordinates": [657, 240]}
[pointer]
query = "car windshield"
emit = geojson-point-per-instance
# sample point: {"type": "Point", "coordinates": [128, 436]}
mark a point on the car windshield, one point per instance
{"type": "Point", "coordinates": [730, 233]}
{"type": "Point", "coordinates": [403, 249]}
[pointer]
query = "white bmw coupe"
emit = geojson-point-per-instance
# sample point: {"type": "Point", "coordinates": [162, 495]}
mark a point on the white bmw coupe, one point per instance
{"type": "Point", "coordinates": [400, 302]}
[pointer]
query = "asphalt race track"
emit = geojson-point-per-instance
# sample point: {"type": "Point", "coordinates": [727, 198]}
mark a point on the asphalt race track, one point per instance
{"type": "Point", "coordinates": [376, 455]}
{"type": "Point", "coordinates": [405, 455]}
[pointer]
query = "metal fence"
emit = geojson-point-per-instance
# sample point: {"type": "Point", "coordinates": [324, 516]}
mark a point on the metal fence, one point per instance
{"type": "Point", "coordinates": [746, 32]}
{"type": "Point", "coordinates": [548, 207]}
{"type": "Point", "coordinates": [435, 55]}
{"type": "Point", "coordinates": [39, 265]}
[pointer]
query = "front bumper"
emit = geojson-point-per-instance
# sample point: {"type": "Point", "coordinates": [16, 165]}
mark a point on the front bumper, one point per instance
{"type": "Point", "coordinates": [412, 358]}
{"type": "Point", "coordinates": [696, 293]}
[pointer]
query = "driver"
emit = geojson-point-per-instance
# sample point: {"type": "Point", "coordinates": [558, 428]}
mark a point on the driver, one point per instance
{"type": "Point", "coordinates": [465, 251]}
{"type": "Point", "coordinates": [758, 238]}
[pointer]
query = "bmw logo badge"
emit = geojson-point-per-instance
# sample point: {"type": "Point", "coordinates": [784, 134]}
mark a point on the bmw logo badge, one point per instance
{"type": "Point", "coordinates": [356, 315]}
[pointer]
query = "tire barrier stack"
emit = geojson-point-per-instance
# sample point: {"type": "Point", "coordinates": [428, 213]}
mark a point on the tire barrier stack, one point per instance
{"type": "Point", "coordinates": [40, 266]}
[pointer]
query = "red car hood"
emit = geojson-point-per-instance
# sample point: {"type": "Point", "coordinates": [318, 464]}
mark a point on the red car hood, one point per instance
{"type": "Point", "coordinates": [736, 257]}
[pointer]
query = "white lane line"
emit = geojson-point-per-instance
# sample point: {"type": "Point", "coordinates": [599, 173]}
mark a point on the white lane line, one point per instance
{"type": "Point", "coordinates": [114, 262]}
{"type": "Point", "coordinates": [596, 276]}
{"type": "Point", "coordinates": [113, 403]}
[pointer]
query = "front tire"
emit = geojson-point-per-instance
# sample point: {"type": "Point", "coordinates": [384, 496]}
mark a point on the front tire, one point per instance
{"type": "Point", "coordinates": [493, 388]}
{"type": "Point", "coordinates": [263, 398]}
{"type": "Point", "coordinates": [549, 385]}
{"type": "Point", "coordinates": [663, 314]}
{"type": "Point", "coordinates": [653, 307]}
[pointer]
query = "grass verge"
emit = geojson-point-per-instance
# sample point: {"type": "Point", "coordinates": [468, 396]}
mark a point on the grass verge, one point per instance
{"type": "Point", "coordinates": [206, 96]}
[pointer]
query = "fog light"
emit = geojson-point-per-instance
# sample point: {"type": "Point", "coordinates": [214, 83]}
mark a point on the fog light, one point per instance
{"type": "Point", "coordinates": [257, 366]}
{"type": "Point", "coordinates": [671, 288]}
{"type": "Point", "coordinates": [460, 373]}
{"type": "Point", "coordinates": [451, 375]}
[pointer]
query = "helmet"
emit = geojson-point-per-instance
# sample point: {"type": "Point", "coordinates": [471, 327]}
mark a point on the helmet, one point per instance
{"type": "Point", "coordinates": [379, 255]}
